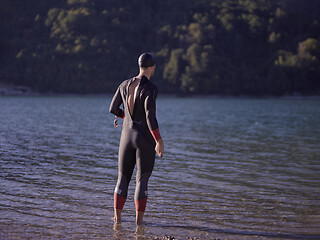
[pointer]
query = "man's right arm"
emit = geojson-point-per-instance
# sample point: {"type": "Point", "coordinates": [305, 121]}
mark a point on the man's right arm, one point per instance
{"type": "Point", "coordinates": [150, 109]}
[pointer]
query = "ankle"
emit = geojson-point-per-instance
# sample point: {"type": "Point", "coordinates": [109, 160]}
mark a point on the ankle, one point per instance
{"type": "Point", "coordinates": [139, 218]}
{"type": "Point", "coordinates": [117, 215]}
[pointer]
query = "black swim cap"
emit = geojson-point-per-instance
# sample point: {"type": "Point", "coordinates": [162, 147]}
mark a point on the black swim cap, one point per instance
{"type": "Point", "coordinates": [146, 60]}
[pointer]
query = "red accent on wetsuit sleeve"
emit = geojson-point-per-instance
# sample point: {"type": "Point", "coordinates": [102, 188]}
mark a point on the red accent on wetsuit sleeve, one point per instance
{"type": "Point", "coordinates": [141, 204]}
{"type": "Point", "coordinates": [156, 134]}
{"type": "Point", "coordinates": [118, 201]}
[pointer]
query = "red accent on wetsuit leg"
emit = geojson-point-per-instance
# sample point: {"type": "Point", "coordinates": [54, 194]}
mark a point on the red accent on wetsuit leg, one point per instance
{"type": "Point", "coordinates": [156, 134]}
{"type": "Point", "coordinates": [141, 204]}
{"type": "Point", "coordinates": [118, 201]}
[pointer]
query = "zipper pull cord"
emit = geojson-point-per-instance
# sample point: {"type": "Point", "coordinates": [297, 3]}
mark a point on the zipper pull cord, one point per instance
{"type": "Point", "coordinates": [115, 122]}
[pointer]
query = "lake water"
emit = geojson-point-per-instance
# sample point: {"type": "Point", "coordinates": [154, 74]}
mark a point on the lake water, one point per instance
{"type": "Point", "coordinates": [232, 169]}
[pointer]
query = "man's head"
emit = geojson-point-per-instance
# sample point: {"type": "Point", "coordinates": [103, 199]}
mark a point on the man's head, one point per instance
{"type": "Point", "coordinates": [147, 63]}
{"type": "Point", "coordinates": [146, 60]}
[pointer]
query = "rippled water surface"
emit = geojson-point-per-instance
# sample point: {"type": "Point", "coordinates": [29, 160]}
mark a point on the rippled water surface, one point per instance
{"type": "Point", "coordinates": [233, 169]}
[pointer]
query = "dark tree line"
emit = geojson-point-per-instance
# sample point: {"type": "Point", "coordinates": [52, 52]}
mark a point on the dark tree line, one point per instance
{"type": "Point", "coordinates": [227, 47]}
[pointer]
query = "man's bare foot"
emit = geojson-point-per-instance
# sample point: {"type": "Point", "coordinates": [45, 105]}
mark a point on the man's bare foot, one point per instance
{"type": "Point", "coordinates": [117, 226]}
{"type": "Point", "coordinates": [140, 232]}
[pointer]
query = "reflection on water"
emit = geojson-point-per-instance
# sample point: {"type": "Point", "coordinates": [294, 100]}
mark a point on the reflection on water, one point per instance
{"type": "Point", "coordinates": [234, 169]}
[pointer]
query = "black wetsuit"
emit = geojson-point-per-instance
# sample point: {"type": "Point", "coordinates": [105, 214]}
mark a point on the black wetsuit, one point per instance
{"type": "Point", "coordinates": [137, 143]}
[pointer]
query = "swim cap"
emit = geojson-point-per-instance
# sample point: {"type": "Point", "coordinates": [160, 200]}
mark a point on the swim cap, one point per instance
{"type": "Point", "coordinates": [146, 60]}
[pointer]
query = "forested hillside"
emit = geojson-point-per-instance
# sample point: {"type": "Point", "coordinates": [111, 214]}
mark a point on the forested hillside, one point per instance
{"type": "Point", "coordinates": [227, 47]}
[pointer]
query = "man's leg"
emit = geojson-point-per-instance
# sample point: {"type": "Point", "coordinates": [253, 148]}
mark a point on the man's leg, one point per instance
{"type": "Point", "coordinates": [140, 207]}
{"type": "Point", "coordinates": [139, 217]}
{"type": "Point", "coordinates": [118, 206]}
{"type": "Point", "coordinates": [126, 163]}
{"type": "Point", "coordinates": [145, 162]}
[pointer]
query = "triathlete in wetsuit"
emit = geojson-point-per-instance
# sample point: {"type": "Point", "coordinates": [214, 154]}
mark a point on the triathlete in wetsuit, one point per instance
{"type": "Point", "coordinates": [140, 137]}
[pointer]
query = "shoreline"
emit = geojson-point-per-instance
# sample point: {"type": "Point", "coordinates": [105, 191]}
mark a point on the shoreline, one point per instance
{"type": "Point", "coordinates": [10, 90]}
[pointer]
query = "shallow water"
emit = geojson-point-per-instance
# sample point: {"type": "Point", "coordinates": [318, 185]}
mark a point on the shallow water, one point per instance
{"type": "Point", "coordinates": [233, 169]}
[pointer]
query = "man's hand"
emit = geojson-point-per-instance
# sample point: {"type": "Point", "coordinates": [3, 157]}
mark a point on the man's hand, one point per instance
{"type": "Point", "coordinates": [159, 147]}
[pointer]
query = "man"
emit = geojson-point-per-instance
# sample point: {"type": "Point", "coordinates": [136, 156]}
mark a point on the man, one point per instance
{"type": "Point", "coordinates": [140, 137]}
